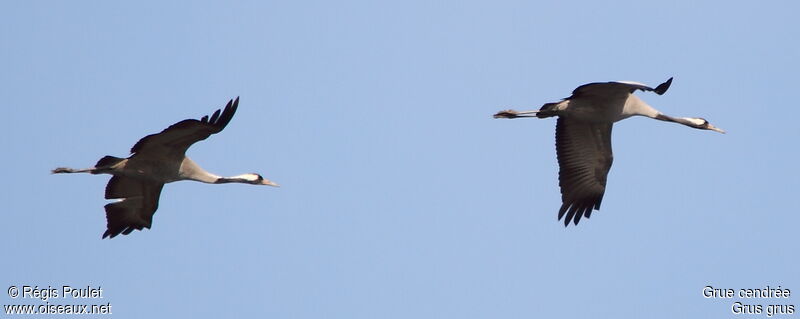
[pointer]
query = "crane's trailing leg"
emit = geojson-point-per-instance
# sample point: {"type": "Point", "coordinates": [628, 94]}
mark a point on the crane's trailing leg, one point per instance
{"type": "Point", "coordinates": [60, 170]}
{"type": "Point", "coordinates": [104, 165]}
{"type": "Point", "coordinates": [547, 110]}
{"type": "Point", "coordinates": [512, 114]}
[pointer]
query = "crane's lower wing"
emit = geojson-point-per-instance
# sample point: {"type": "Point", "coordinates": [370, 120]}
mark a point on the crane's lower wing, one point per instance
{"type": "Point", "coordinates": [584, 159]}
{"type": "Point", "coordinates": [134, 211]}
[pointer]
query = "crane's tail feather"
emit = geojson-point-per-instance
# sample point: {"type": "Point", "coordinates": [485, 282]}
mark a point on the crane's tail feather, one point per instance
{"type": "Point", "coordinates": [108, 160]}
{"type": "Point", "coordinates": [547, 110]}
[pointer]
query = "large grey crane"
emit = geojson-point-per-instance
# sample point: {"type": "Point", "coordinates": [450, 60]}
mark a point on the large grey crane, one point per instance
{"type": "Point", "coordinates": [158, 159]}
{"type": "Point", "coordinates": [583, 138]}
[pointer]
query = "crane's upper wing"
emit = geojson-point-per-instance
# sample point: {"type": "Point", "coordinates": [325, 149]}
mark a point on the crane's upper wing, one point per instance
{"type": "Point", "coordinates": [619, 87]}
{"type": "Point", "coordinates": [177, 138]}
{"type": "Point", "coordinates": [584, 159]}
{"type": "Point", "coordinates": [139, 201]}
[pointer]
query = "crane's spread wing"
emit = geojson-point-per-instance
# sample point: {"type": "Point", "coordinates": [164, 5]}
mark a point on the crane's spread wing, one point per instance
{"type": "Point", "coordinates": [608, 89]}
{"type": "Point", "coordinates": [584, 159]}
{"type": "Point", "coordinates": [139, 201]}
{"type": "Point", "coordinates": [177, 138]}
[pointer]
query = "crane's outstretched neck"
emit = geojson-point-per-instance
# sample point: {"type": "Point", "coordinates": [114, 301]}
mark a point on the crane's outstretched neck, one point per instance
{"type": "Point", "coordinates": [249, 178]}
{"type": "Point", "coordinates": [694, 122]}
{"type": "Point", "coordinates": [190, 170]}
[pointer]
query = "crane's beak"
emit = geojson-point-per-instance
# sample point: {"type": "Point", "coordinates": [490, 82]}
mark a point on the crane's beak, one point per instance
{"type": "Point", "coordinates": [511, 114]}
{"type": "Point", "coordinates": [270, 183]}
{"type": "Point", "coordinates": [715, 129]}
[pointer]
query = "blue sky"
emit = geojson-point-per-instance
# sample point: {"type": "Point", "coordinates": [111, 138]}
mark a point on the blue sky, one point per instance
{"type": "Point", "coordinates": [401, 197]}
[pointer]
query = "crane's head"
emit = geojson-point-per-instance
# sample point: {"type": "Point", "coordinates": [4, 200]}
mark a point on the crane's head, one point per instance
{"type": "Point", "coordinates": [701, 123]}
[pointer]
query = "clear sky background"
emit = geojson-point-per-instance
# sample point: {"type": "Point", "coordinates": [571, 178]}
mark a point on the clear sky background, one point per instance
{"type": "Point", "coordinates": [401, 196]}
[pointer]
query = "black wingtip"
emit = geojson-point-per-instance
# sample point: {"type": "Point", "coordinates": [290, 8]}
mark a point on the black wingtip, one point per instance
{"type": "Point", "coordinates": [662, 88]}
{"type": "Point", "coordinates": [232, 104]}
{"type": "Point", "coordinates": [214, 117]}
{"type": "Point", "coordinates": [235, 104]}
{"type": "Point", "coordinates": [227, 114]}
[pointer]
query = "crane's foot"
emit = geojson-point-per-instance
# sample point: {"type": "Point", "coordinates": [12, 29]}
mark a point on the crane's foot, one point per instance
{"type": "Point", "coordinates": [506, 114]}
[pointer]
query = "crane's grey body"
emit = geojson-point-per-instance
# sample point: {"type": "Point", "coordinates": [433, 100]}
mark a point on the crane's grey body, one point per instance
{"type": "Point", "coordinates": [159, 170]}
{"type": "Point", "coordinates": [158, 159]}
{"type": "Point", "coordinates": [583, 138]}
